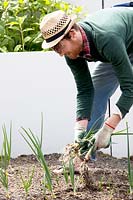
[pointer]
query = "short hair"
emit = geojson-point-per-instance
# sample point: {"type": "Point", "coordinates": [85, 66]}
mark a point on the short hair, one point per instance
{"type": "Point", "coordinates": [76, 27]}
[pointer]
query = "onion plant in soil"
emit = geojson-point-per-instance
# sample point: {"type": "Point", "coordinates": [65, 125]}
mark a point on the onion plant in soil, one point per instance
{"type": "Point", "coordinates": [33, 177]}
{"type": "Point", "coordinates": [107, 179]}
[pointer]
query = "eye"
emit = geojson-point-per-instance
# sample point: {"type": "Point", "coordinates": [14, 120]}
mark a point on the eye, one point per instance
{"type": "Point", "coordinates": [56, 47]}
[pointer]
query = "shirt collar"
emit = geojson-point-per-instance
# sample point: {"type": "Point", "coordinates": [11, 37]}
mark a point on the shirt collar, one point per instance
{"type": "Point", "coordinates": [86, 47]}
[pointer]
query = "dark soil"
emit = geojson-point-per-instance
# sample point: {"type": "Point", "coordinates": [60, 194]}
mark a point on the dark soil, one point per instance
{"type": "Point", "coordinates": [104, 179]}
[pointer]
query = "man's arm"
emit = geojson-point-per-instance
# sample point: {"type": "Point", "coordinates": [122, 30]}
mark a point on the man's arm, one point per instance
{"type": "Point", "coordinates": [85, 93]}
{"type": "Point", "coordinates": [116, 53]}
{"type": "Point", "coordinates": [85, 90]}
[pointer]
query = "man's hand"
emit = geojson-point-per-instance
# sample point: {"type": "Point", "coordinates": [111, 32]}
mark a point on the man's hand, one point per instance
{"type": "Point", "coordinates": [80, 134]}
{"type": "Point", "coordinates": [103, 136]}
{"type": "Point", "coordinates": [79, 131]}
{"type": "Point", "coordinates": [101, 140]}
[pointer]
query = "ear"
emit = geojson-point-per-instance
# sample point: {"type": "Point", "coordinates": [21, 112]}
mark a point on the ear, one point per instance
{"type": "Point", "coordinates": [73, 33]}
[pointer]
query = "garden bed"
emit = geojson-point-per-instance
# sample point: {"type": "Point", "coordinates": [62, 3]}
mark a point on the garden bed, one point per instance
{"type": "Point", "coordinates": [108, 179]}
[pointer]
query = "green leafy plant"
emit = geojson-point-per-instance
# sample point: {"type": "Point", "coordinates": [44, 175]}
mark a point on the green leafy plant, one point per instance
{"type": "Point", "coordinates": [57, 180]}
{"type": "Point", "coordinates": [100, 184]}
{"type": "Point", "coordinates": [35, 144]}
{"type": "Point", "coordinates": [110, 187]}
{"type": "Point", "coordinates": [27, 182]}
{"type": "Point", "coordinates": [5, 158]}
{"type": "Point", "coordinates": [65, 173]}
{"type": "Point", "coordinates": [72, 175]}
{"type": "Point", "coordinates": [46, 185]}
{"type": "Point", "coordinates": [87, 146]}
{"type": "Point", "coordinates": [20, 20]}
{"type": "Point", "coordinates": [130, 170]}
{"type": "Point", "coordinates": [68, 171]}
{"type": "Point", "coordinates": [4, 180]}
{"type": "Point", "coordinates": [6, 148]}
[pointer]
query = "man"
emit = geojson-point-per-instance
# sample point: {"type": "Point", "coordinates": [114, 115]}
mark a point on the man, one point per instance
{"type": "Point", "coordinates": [105, 36]}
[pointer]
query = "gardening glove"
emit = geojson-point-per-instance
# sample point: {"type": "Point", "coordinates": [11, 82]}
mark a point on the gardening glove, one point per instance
{"type": "Point", "coordinates": [79, 132]}
{"type": "Point", "coordinates": [103, 136]}
{"type": "Point", "coordinates": [85, 145]}
{"type": "Point", "coordinates": [79, 138]}
{"type": "Point", "coordinates": [101, 140]}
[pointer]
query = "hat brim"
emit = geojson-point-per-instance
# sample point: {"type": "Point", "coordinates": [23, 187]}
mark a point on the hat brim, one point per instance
{"type": "Point", "coordinates": [48, 45]}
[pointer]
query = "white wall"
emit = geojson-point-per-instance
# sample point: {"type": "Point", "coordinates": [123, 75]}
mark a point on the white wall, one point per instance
{"type": "Point", "coordinates": [31, 83]}
{"type": "Point", "coordinates": [90, 6]}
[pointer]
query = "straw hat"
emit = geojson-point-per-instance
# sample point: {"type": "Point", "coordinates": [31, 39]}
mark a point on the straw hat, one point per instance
{"type": "Point", "coordinates": [55, 26]}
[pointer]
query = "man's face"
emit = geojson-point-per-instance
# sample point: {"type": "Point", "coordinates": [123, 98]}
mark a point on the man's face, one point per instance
{"type": "Point", "coordinates": [70, 47]}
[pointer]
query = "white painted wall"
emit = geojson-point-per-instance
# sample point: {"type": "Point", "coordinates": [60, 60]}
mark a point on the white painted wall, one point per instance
{"type": "Point", "coordinates": [90, 6]}
{"type": "Point", "coordinates": [35, 82]}
{"type": "Point", "coordinates": [31, 83]}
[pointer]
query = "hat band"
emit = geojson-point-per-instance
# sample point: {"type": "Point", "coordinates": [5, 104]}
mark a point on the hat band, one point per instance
{"type": "Point", "coordinates": [54, 37]}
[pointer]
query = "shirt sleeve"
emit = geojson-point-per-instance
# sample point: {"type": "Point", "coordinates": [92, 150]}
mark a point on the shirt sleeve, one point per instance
{"type": "Point", "coordinates": [115, 52]}
{"type": "Point", "coordinates": [85, 90]}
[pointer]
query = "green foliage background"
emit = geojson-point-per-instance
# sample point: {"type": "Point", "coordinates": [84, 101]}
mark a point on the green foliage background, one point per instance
{"type": "Point", "coordinates": [20, 20]}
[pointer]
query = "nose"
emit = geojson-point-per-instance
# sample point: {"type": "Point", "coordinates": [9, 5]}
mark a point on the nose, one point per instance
{"type": "Point", "coordinates": [61, 52]}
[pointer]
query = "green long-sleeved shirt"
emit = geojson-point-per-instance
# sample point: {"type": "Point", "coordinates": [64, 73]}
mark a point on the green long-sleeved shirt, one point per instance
{"type": "Point", "coordinates": [111, 33]}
